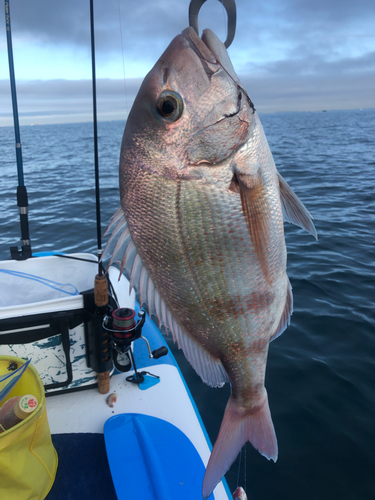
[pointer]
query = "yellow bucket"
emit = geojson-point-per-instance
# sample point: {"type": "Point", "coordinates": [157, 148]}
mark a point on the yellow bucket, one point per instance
{"type": "Point", "coordinates": [28, 459]}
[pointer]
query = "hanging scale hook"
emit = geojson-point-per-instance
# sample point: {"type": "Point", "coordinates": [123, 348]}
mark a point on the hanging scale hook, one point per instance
{"type": "Point", "coordinates": [230, 7]}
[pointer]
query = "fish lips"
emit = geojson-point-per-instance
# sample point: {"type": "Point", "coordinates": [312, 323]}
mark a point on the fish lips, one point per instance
{"type": "Point", "coordinates": [211, 50]}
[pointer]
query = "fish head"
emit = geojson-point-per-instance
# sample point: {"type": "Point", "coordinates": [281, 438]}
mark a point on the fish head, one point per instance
{"type": "Point", "coordinates": [191, 109]}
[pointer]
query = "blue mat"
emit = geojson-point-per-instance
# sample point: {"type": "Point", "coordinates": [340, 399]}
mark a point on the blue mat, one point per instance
{"type": "Point", "coordinates": [152, 459]}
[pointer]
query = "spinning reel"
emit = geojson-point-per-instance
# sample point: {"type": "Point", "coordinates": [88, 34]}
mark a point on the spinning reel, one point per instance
{"type": "Point", "coordinates": [123, 330]}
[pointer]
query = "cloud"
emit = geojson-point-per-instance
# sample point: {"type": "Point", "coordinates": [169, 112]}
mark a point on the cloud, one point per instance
{"type": "Point", "coordinates": [143, 26]}
{"type": "Point", "coordinates": [291, 54]}
{"type": "Point", "coordinates": [59, 101]}
{"type": "Point", "coordinates": [315, 94]}
{"type": "Point", "coordinates": [310, 65]}
{"type": "Point", "coordinates": [146, 26]}
{"type": "Point", "coordinates": [318, 11]}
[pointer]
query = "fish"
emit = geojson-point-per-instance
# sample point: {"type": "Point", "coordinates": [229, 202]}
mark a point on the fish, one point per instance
{"type": "Point", "coordinates": [239, 494]}
{"type": "Point", "coordinates": [200, 231]}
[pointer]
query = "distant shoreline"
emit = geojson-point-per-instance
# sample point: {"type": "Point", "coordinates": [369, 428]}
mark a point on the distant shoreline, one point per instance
{"type": "Point", "coordinates": [37, 117]}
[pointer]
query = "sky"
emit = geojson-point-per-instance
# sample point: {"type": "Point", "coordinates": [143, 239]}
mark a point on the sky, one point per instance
{"type": "Point", "coordinates": [291, 55]}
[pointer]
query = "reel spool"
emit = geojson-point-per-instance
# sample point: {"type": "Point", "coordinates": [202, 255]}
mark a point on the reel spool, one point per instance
{"type": "Point", "coordinates": [123, 330]}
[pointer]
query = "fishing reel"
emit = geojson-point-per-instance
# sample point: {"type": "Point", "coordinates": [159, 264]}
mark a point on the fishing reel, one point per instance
{"type": "Point", "coordinates": [123, 330]}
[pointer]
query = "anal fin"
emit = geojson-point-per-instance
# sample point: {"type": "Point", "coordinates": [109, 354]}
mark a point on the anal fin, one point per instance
{"type": "Point", "coordinates": [210, 370]}
{"type": "Point", "coordinates": [287, 312]}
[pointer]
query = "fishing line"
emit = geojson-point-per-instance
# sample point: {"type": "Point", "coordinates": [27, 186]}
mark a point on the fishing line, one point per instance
{"type": "Point", "coordinates": [123, 60]}
{"type": "Point", "coordinates": [245, 479]}
{"type": "Point", "coordinates": [239, 468]}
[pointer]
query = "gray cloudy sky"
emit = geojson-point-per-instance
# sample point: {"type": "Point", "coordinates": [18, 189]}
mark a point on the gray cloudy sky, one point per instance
{"type": "Point", "coordinates": [290, 54]}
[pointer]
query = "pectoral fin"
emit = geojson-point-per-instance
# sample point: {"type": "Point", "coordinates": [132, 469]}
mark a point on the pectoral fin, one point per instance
{"type": "Point", "coordinates": [257, 212]}
{"type": "Point", "coordinates": [294, 210]}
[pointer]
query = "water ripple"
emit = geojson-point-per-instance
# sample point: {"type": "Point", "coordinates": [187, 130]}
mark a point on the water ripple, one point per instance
{"type": "Point", "coordinates": [321, 371]}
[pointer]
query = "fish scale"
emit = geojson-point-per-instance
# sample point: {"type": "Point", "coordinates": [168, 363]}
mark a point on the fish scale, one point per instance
{"type": "Point", "coordinates": [193, 267]}
{"type": "Point", "coordinates": [202, 231]}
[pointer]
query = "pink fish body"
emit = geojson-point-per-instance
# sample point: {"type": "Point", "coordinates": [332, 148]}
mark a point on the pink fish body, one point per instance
{"type": "Point", "coordinates": [200, 231]}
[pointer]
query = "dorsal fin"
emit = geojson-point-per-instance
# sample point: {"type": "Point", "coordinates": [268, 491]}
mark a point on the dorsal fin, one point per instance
{"type": "Point", "coordinates": [143, 281]}
{"type": "Point", "coordinates": [119, 239]}
{"type": "Point", "coordinates": [136, 272]}
{"type": "Point", "coordinates": [209, 369]}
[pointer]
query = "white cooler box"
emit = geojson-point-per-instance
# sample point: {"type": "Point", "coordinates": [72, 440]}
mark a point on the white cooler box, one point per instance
{"type": "Point", "coordinates": [43, 317]}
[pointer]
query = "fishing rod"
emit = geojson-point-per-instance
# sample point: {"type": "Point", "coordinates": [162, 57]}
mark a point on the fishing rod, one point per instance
{"type": "Point", "coordinates": [22, 199]}
{"type": "Point", "coordinates": [101, 297]}
{"type": "Point", "coordinates": [95, 122]}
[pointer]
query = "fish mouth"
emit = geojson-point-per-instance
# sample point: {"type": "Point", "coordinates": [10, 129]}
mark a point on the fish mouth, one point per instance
{"type": "Point", "coordinates": [211, 51]}
{"type": "Point", "coordinates": [214, 57]}
{"type": "Point", "coordinates": [207, 57]}
{"type": "Point", "coordinates": [230, 113]}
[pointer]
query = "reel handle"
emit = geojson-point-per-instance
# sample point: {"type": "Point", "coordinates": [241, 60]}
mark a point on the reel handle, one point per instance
{"type": "Point", "coordinates": [158, 353]}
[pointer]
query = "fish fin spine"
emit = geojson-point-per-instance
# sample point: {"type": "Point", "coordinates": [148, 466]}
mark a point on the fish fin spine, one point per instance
{"type": "Point", "coordinates": [126, 255]}
{"type": "Point", "coordinates": [210, 370]}
{"type": "Point", "coordinates": [287, 312]}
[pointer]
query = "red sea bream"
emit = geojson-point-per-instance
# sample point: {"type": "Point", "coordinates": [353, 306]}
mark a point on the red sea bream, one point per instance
{"type": "Point", "coordinates": [200, 231]}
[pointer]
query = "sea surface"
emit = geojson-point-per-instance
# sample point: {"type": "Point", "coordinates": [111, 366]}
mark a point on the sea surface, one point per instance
{"type": "Point", "coordinates": [321, 371]}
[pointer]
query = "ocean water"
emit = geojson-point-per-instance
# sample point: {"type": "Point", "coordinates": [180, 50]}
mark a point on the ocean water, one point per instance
{"type": "Point", "coordinates": [321, 371]}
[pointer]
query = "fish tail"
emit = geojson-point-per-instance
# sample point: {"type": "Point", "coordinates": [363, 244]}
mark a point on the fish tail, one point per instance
{"type": "Point", "coordinates": [236, 429]}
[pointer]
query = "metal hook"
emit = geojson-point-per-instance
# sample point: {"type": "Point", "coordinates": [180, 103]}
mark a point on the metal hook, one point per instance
{"type": "Point", "coordinates": [230, 7]}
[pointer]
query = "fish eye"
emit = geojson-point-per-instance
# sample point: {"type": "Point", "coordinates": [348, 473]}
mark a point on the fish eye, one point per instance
{"type": "Point", "coordinates": [170, 105]}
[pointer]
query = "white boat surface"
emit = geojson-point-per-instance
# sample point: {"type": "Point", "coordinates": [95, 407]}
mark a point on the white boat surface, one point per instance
{"type": "Point", "coordinates": [157, 445]}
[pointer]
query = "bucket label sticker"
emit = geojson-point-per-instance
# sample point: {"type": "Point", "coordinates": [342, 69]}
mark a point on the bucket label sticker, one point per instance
{"type": "Point", "coordinates": [28, 403]}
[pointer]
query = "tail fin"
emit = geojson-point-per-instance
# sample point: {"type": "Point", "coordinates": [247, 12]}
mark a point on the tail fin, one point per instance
{"type": "Point", "coordinates": [236, 429]}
